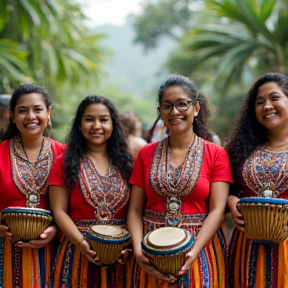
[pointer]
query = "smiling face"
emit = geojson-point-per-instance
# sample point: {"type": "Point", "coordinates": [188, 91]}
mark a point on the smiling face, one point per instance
{"type": "Point", "coordinates": [96, 125]}
{"type": "Point", "coordinates": [271, 107]}
{"type": "Point", "coordinates": [31, 115]}
{"type": "Point", "coordinates": [176, 121]}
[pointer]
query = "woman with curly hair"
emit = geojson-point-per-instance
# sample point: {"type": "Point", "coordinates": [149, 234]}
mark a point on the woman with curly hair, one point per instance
{"type": "Point", "coordinates": [181, 181]}
{"type": "Point", "coordinates": [27, 156]}
{"type": "Point", "coordinates": [89, 185]}
{"type": "Point", "coordinates": [258, 151]}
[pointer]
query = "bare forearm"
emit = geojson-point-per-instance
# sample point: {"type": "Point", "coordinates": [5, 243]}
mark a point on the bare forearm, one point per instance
{"type": "Point", "coordinates": [210, 226]}
{"type": "Point", "coordinates": [135, 227]}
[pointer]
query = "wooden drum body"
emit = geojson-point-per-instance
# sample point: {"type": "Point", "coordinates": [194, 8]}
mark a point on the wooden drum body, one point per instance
{"type": "Point", "coordinates": [108, 241]}
{"type": "Point", "coordinates": [266, 219]}
{"type": "Point", "coordinates": [26, 223]}
{"type": "Point", "coordinates": [166, 248]}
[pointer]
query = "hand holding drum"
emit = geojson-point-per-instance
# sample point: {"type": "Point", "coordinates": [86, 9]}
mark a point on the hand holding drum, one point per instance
{"type": "Point", "coordinates": [167, 247]}
{"type": "Point", "coordinates": [108, 241]}
{"type": "Point", "coordinates": [26, 223]}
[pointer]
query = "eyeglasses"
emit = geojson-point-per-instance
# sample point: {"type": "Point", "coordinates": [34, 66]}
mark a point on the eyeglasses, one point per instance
{"type": "Point", "coordinates": [181, 105]}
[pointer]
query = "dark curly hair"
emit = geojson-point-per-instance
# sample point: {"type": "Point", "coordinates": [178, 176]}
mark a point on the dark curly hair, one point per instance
{"type": "Point", "coordinates": [76, 148]}
{"type": "Point", "coordinates": [199, 123]}
{"type": "Point", "coordinates": [27, 88]}
{"type": "Point", "coordinates": [248, 133]}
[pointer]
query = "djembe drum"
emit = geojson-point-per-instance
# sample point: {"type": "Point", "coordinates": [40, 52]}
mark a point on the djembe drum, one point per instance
{"type": "Point", "coordinates": [266, 219]}
{"type": "Point", "coordinates": [26, 223]}
{"type": "Point", "coordinates": [166, 248]}
{"type": "Point", "coordinates": [108, 241]}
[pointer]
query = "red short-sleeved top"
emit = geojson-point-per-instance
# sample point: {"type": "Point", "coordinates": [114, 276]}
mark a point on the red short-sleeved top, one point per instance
{"type": "Point", "coordinates": [79, 208]}
{"type": "Point", "coordinates": [215, 168]}
{"type": "Point", "coordinates": [10, 194]}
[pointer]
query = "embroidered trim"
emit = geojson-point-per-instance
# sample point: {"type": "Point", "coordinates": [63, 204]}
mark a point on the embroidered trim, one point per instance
{"type": "Point", "coordinates": [160, 218]}
{"type": "Point", "coordinates": [174, 183]}
{"type": "Point", "coordinates": [184, 181]}
{"type": "Point", "coordinates": [31, 178]}
{"type": "Point", "coordinates": [266, 171]}
{"type": "Point", "coordinates": [107, 194]}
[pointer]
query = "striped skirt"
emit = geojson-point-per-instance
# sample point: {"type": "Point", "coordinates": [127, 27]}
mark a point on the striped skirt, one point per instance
{"type": "Point", "coordinates": [208, 271]}
{"type": "Point", "coordinates": [252, 264]}
{"type": "Point", "coordinates": [71, 269]}
{"type": "Point", "coordinates": [24, 267]}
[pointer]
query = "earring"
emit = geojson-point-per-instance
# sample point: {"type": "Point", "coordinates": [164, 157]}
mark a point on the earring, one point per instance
{"type": "Point", "coordinates": [49, 124]}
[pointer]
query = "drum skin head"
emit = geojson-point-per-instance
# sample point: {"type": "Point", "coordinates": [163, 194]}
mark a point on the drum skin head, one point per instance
{"type": "Point", "coordinates": [108, 230]}
{"type": "Point", "coordinates": [166, 237]}
{"type": "Point", "coordinates": [166, 248]}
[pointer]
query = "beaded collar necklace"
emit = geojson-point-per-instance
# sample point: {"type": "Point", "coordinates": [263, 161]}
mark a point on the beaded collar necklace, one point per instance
{"type": "Point", "coordinates": [174, 183]}
{"type": "Point", "coordinates": [106, 194]}
{"type": "Point", "coordinates": [31, 178]}
{"type": "Point", "coordinates": [265, 172]}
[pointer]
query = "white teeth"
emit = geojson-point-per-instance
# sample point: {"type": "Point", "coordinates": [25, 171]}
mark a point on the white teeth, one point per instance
{"type": "Point", "coordinates": [31, 125]}
{"type": "Point", "coordinates": [270, 115]}
{"type": "Point", "coordinates": [175, 120]}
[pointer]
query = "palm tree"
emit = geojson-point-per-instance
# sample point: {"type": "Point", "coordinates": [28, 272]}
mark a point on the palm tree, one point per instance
{"type": "Point", "coordinates": [251, 38]}
{"type": "Point", "coordinates": [52, 43]}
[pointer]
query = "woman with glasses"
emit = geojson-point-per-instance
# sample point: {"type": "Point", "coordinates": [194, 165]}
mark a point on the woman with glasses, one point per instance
{"type": "Point", "coordinates": [181, 181]}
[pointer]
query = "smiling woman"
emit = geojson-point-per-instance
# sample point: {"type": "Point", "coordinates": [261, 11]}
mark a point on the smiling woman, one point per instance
{"type": "Point", "coordinates": [89, 186]}
{"type": "Point", "coordinates": [26, 159]}
{"type": "Point", "coordinates": [258, 152]}
{"type": "Point", "coordinates": [181, 181]}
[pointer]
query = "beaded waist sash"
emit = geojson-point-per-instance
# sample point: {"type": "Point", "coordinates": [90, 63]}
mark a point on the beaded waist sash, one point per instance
{"type": "Point", "coordinates": [159, 218]}
{"type": "Point", "coordinates": [85, 223]}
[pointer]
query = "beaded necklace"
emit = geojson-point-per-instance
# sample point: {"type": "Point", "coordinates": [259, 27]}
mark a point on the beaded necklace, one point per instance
{"type": "Point", "coordinates": [106, 194]}
{"type": "Point", "coordinates": [174, 183]}
{"type": "Point", "coordinates": [31, 178]}
{"type": "Point", "coordinates": [265, 172]}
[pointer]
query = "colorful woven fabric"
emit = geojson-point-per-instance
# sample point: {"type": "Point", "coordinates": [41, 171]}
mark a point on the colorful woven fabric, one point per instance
{"type": "Point", "coordinates": [71, 269]}
{"type": "Point", "coordinates": [24, 267]}
{"type": "Point", "coordinates": [251, 263]}
{"type": "Point", "coordinates": [257, 265]}
{"type": "Point", "coordinates": [208, 271]}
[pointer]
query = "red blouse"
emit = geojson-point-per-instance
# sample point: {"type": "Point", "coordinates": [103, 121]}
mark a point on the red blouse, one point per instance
{"type": "Point", "coordinates": [79, 208]}
{"type": "Point", "coordinates": [215, 168]}
{"type": "Point", "coordinates": [10, 194]}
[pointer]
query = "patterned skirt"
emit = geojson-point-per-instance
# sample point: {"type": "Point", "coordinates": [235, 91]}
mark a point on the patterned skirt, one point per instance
{"type": "Point", "coordinates": [71, 268]}
{"type": "Point", "coordinates": [257, 265]}
{"type": "Point", "coordinates": [208, 271]}
{"type": "Point", "coordinates": [24, 267]}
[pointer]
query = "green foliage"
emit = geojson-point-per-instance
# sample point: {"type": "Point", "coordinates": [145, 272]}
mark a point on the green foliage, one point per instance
{"type": "Point", "coordinates": [54, 45]}
{"type": "Point", "coordinates": [166, 17]}
{"type": "Point", "coordinates": [12, 62]}
{"type": "Point", "coordinates": [252, 36]}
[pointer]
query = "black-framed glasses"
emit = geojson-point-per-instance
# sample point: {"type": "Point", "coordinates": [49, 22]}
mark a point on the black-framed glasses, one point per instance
{"type": "Point", "coordinates": [181, 105]}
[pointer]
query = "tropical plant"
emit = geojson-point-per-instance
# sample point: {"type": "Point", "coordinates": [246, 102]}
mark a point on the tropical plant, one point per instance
{"type": "Point", "coordinates": [250, 39]}
{"type": "Point", "coordinates": [52, 43]}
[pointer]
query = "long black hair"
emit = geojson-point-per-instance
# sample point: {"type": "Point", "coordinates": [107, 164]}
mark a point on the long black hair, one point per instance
{"type": "Point", "coordinates": [27, 88]}
{"type": "Point", "coordinates": [248, 133]}
{"type": "Point", "coordinates": [199, 123]}
{"type": "Point", "coordinates": [76, 150]}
